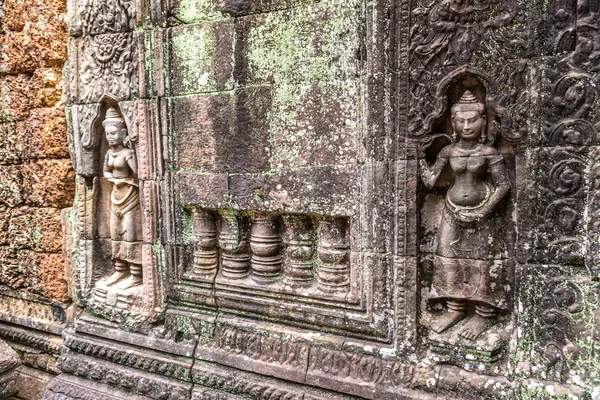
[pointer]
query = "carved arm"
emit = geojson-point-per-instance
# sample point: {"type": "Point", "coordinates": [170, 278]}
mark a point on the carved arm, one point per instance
{"type": "Point", "coordinates": [107, 170]}
{"type": "Point", "coordinates": [429, 176]}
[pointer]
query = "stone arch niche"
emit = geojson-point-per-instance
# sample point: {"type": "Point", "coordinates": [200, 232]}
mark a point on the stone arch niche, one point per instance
{"type": "Point", "coordinates": [115, 274]}
{"type": "Point", "coordinates": [467, 220]}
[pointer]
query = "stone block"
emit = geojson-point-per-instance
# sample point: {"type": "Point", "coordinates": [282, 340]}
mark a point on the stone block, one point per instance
{"type": "Point", "coordinates": [52, 277]}
{"type": "Point", "coordinates": [16, 97]}
{"type": "Point", "coordinates": [11, 143]}
{"type": "Point", "coordinates": [314, 124]}
{"type": "Point", "coordinates": [32, 382]}
{"type": "Point", "coordinates": [37, 229]}
{"type": "Point", "coordinates": [321, 190]}
{"type": "Point", "coordinates": [15, 15]}
{"type": "Point", "coordinates": [45, 134]}
{"type": "Point", "coordinates": [201, 124]}
{"type": "Point", "coordinates": [48, 183]}
{"type": "Point", "coordinates": [206, 190]}
{"type": "Point", "coordinates": [222, 132]}
{"type": "Point", "coordinates": [11, 182]}
{"type": "Point", "coordinates": [9, 361]}
{"type": "Point", "coordinates": [192, 11]}
{"type": "Point", "coordinates": [315, 43]}
{"type": "Point", "coordinates": [201, 57]}
{"type": "Point", "coordinates": [23, 92]}
{"type": "Point", "coordinates": [37, 39]}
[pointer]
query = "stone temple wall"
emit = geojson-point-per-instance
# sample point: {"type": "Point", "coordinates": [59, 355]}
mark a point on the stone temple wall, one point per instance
{"type": "Point", "coordinates": [36, 184]}
{"type": "Point", "coordinates": [328, 199]}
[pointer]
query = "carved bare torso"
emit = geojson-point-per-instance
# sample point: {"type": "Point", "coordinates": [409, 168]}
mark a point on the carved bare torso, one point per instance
{"type": "Point", "coordinates": [118, 164]}
{"type": "Point", "coordinates": [469, 188]}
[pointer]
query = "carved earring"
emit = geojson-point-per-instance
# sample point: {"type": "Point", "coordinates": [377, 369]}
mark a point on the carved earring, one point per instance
{"type": "Point", "coordinates": [454, 135]}
{"type": "Point", "coordinates": [483, 136]}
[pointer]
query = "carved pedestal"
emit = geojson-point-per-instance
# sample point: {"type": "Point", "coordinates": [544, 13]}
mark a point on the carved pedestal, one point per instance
{"type": "Point", "coordinates": [9, 361]}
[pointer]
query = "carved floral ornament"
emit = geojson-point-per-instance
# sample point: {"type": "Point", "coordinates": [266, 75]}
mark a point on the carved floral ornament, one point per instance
{"type": "Point", "coordinates": [106, 16]}
{"type": "Point", "coordinates": [446, 35]}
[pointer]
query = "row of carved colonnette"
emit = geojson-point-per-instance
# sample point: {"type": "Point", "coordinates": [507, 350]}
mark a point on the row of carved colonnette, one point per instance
{"type": "Point", "coordinates": [268, 247]}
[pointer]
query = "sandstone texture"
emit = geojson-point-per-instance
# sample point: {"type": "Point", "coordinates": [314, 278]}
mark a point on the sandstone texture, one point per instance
{"type": "Point", "coordinates": [36, 183]}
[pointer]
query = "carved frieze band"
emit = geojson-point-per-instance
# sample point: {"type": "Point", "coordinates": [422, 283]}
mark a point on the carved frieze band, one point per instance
{"type": "Point", "coordinates": [125, 356]}
{"type": "Point", "coordinates": [124, 377]}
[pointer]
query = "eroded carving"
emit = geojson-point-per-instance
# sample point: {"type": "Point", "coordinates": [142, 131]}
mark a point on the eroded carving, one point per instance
{"type": "Point", "coordinates": [470, 262]}
{"type": "Point", "coordinates": [106, 16]}
{"type": "Point", "coordinates": [107, 66]}
{"type": "Point", "coordinates": [333, 271]}
{"type": "Point", "coordinates": [235, 255]}
{"type": "Point", "coordinates": [205, 245]}
{"type": "Point", "coordinates": [449, 34]}
{"type": "Point", "coordinates": [265, 243]}
{"type": "Point", "coordinates": [299, 250]}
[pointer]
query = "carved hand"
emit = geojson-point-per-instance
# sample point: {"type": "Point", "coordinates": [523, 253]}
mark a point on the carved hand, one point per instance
{"type": "Point", "coordinates": [471, 215]}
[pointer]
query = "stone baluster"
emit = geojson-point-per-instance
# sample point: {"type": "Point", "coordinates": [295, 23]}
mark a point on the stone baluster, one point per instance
{"type": "Point", "coordinates": [298, 270]}
{"type": "Point", "coordinates": [333, 270]}
{"type": "Point", "coordinates": [205, 244]}
{"type": "Point", "coordinates": [265, 242]}
{"type": "Point", "coordinates": [235, 255]}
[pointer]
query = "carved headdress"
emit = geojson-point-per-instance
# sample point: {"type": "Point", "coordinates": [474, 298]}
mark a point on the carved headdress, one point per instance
{"type": "Point", "coordinates": [114, 116]}
{"type": "Point", "coordinates": [469, 102]}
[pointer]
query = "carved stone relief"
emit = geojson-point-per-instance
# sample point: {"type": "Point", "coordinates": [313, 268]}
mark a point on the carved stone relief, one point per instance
{"type": "Point", "coordinates": [208, 269]}
{"type": "Point", "coordinates": [92, 17]}
{"type": "Point", "coordinates": [287, 251]}
{"type": "Point", "coordinates": [451, 34]}
{"type": "Point", "coordinates": [115, 208]}
{"type": "Point", "coordinates": [106, 66]}
{"type": "Point", "coordinates": [471, 265]}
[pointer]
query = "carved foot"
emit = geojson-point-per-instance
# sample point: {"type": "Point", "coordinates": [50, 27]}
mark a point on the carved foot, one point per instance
{"type": "Point", "coordinates": [116, 277]}
{"type": "Point", "coordinates": [476, 326]}
{"type": "Point", "coordinates": [447, 320]}
{"type": "Point", "coordinates": [130, 282]}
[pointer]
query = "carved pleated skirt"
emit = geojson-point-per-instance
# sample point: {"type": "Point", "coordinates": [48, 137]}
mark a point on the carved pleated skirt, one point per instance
{"type": "Point", "coordinates": [470, 261]}
{"type": "Point", "coordinates": [126, 224]}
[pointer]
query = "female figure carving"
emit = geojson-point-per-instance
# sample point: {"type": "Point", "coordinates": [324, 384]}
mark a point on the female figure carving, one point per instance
{"type": "Point", "coordinates": [120, 168]}
{"type": "Point", "coordinates": [470, 264]}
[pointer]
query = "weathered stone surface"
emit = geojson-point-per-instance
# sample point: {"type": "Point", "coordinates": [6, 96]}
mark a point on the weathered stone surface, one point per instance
{"type": "Point", "coordinates": [38, 38]}
{"type": "Point", "coordinates": [45, 134]}
{"type": "Point", "coordinates": [341, 199]}
{"type": "Point", "coordinates": [201, 57]}
{"type": "Point", "coordinates": [37, 229]}
{"type": "Point", "coordinates": [11, 182]}
{"type": "Point", "coordinates": [48, 183]}
{"type": "Point", "coordinates": [9, 360]}
{"type": "Point", "coordinates": [11, 143]}
{"type": "Point", "coordinates": [32, 127]}
{"type": "Point", "coordinates": [320, 190]}
{"type": "Point", "coordinates": [228, 132]}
